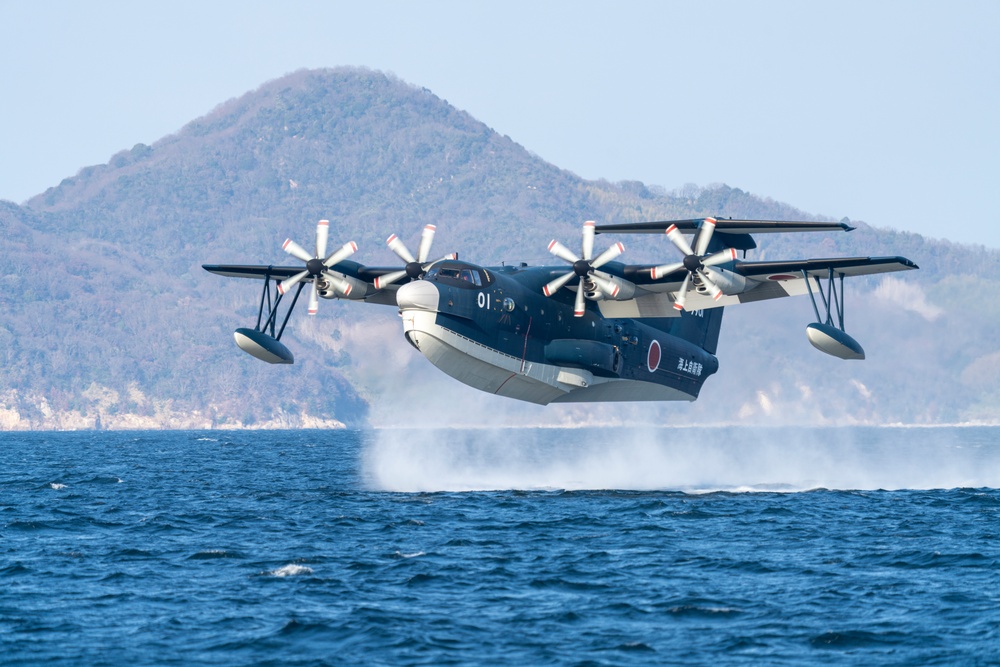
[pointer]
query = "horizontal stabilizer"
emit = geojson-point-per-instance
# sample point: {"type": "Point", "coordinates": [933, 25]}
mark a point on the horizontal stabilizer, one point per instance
{"type": "Point", "coordinates": [725, 226]}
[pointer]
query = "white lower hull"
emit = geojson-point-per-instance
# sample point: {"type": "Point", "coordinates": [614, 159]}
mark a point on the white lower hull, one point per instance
{"type": "Point", "coordinates": [489, 370]}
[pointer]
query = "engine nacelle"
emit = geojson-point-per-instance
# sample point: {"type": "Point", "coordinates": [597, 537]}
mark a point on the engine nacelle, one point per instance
{"type": "Point", "coordinates": [730, 283]}
{"type": "Point", "coordinates": [358, 288]}
{"type": "Point", "coordinates": [624, 290]}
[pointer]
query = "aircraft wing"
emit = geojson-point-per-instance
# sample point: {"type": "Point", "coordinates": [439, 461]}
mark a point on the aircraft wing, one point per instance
{"type": "Point", "coordinates": [365, 274]}
{"type": "Point", "coordinates": [849, 266]}
{"type": "Point", "coordinates": [251, 271]}
{"type": "Point", "coordinates": [763, 280]}
{"type": "Point", "coordinates": [360, 271]}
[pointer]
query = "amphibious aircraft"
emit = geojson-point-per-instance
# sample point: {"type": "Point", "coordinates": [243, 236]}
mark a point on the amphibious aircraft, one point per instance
{"type": "Point", "coordinates": [593, 329]}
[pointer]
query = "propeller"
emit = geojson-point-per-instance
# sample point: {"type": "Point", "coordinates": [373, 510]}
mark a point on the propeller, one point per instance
{"type": "Point", "coordinates": [583, 267]}
{"type": "Point", "coordinates": [317, 269]}
{"type": "Point", "coordinates": [695, 261]}
{"type": "Point", "coordinates": [417, 266]}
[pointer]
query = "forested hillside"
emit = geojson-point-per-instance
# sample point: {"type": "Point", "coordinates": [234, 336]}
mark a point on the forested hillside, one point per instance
{"type": "Point", "coordinates": [111, 322]}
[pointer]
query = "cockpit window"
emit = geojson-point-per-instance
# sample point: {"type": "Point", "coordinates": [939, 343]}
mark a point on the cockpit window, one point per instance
{"type": "Point", "coordinates": [467, 276]}
{"type": "Point", "coordinates": [470, 276]}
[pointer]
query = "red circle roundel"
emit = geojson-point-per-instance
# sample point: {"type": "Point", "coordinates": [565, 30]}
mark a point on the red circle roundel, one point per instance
{"type": "Point", "coordinates": [653, 357]}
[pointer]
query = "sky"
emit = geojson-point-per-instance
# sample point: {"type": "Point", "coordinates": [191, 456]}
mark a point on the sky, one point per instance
{"type": "Point", "coordinates": [881, 111]}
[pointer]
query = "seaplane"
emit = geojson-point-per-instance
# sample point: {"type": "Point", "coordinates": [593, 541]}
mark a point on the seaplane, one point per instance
{"type": "Point", "coordinates": [590, 329]}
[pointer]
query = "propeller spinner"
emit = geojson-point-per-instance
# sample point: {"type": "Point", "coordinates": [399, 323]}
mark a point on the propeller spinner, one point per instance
{"type": "Point", "coordinates": [317, 269]}
{"type": "Point", "coordinates": [584, 267]}
{"type": "Point", "coordinates": [695, 261]}
{"type": "Point", "coordinates": [415, 267]}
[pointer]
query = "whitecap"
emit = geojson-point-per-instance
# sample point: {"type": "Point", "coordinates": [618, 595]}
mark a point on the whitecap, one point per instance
{"type": "Point", "coordinates": [412, 555]}
{"type": "Point", "coordinates": [57, 485]}
{"type": "Point", "coordinates": [290, 570]}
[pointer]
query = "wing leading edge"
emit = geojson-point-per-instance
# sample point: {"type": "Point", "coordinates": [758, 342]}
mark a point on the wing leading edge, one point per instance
{"type": "Point", "coordinates": [764, 280]}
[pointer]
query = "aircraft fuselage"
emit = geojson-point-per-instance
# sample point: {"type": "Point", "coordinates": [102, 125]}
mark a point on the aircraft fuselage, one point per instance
{"type": "Point", "coordinates": [493, 329]}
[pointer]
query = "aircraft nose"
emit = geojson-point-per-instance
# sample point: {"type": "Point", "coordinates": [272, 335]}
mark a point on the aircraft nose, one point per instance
{"type": "Point", "coordinates": [419, 294]}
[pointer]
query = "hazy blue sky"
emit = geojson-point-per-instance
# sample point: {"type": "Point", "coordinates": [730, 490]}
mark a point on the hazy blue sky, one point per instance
{"type": "Point", "coordinates": [887, 112]}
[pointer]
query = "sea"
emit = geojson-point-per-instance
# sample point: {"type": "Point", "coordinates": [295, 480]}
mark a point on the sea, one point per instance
{"type": "Point", "coordinates": [602, 546]}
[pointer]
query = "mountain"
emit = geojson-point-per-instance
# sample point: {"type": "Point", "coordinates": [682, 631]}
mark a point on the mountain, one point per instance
{"type": "Point", "coordinates": [112, 323]}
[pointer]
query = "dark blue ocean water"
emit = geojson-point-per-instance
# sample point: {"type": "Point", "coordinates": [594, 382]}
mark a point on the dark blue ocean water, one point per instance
{"type": "Point", "coordinates": [564, 547]}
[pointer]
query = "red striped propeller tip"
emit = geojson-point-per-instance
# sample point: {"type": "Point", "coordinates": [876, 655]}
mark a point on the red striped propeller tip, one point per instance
{"type": "Point", "coordinates": [710, 221]}
{"type": "Point", "coordinates": [589, 223]}
{"type": "Point", "coordinates": [717, 296]}
{"type": "Point", "coordinates": [652, 273]}
{"type": "Point", "coordinates": [390, 239]}
{"type": "Point", "coordinates": [671, 229]}
{"type": "Point", "coordinates": [621, 247]}
{"type": "Point", "coordinates": [312, 311]}
{"type": "Point", "coordinates": [678, 306]}
{"type": "Point", "coordinates": [578, 313]}
{"type": "Point", "coordinates": [546, 291]}
{"type": "Point", "coordinates": [552, 243]}
{"type": "Point", "coordinates": [281, 290]}
{"type": "Point", "coordinates": [430, 227]}
{"type": "Point", "coordinates": [347, 290]}
{"type": "Point", "coordinates": [324, 223]}
{"type": "Point", "coordinates": [377, 284]}
{"type": "Point", "coordinates": [285, 244]}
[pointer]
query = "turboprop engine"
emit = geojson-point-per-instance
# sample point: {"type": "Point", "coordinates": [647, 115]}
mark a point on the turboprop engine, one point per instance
{"type": "Point", "coordinates": [611, 287]}
{"type": "Point", "coordinates": [730, 283]}
{"type": "Point", "coordinates": [332, 286]}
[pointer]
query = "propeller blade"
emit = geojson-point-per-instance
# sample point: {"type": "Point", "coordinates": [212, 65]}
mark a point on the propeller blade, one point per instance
{"type": "Point", "coordinates": [295, 250]}
{"type": "Point", "coordinates": [562, 252]}
{"type": "Point", "coordinates": [682, 294]}
{"type": "Point", "coordinates": [399, 248]}
{"type": "Point", "coordinates": [341, 254]}
{"type": "Point", "coordinates": [712, 288]}
{"type": "Point", "coordinates": [426, 237]}
{"type": "Point", "coordinates": [677, 238]}
{"type": "Point", "coordinates": [322, 233]}
{"type": "Point", "coordinates": [289, 283]}
{"type": "Point", "coordinates": [389, 278]}
{"type": "Point", "coordinates": [339, 284]}
{"type": "Point", "coordinates": [609, 288]}
{"type": "Point", "coordinates": [607, 255]}
{"type": "Point", "coordinates": [704, 236]}
{"type": "Point", "coordinates": [658, 272]}
{"type": "Point", "coordinates": [557, 284]}
{"type": "Point", "coordinates": [581, 304]}
{"type": "Point", "coordinates": [313, 298]}
{"type": "Point", "coordinates": [588, 239]}
{"type": "Point", "coordinates": [721, 257]}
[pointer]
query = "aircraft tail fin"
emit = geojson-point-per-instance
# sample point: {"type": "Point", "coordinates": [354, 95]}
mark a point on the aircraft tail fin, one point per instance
{"type": "Point", "coordinates": [700, 327]}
